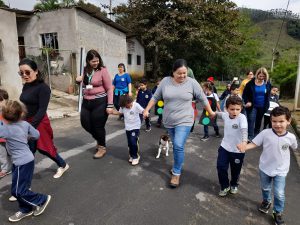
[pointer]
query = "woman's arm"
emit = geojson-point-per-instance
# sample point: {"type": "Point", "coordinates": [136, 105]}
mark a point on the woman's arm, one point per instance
{"type": "Point", "coordinates": [129, 89]}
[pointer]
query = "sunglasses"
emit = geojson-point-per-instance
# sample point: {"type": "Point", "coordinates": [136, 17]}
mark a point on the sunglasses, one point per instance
{"type": "Point", "coordinates": [26, 72]}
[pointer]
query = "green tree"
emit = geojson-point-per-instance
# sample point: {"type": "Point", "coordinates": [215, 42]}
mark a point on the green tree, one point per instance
{"type": "Point", "coordinates": [2, 4]}
{"type": "Point", "coordinates": [191, 29]}
{"type": "Point", "coordinates": [285, 75]}
{"type": "Point", "coordinates": [46, 5]}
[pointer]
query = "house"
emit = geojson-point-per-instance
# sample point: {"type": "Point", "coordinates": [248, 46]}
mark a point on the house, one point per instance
{"type": "Point", "coordinates": [63, 32]}
{"type": "Point", "coordinates": [135, 57]}
{"type": "Point", "coordinates": [9, 56]}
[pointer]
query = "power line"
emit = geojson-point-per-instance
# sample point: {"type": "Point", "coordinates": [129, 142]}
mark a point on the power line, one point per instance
{"type": "Point", "coordinates": [274, 49]}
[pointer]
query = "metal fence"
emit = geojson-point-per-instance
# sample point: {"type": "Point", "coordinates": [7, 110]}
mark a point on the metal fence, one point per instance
{"type": "Point", "coordinates": [57, 66]}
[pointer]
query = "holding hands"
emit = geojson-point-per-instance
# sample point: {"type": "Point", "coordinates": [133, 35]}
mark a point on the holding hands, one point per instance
{"type": "Point", "coordinates": [242, 147]}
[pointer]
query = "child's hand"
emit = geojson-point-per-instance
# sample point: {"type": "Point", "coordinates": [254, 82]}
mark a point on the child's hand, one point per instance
{"type": "Point", "coordinates": [242, 147]}
{"type": "Point", "coordinates": [145, 114]}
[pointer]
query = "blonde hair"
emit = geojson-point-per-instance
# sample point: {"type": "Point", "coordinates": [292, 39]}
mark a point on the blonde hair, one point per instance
{"type": "Point", "coordinates": [13, 111]}
{"type": "Point", "coordinates": [264, 71]}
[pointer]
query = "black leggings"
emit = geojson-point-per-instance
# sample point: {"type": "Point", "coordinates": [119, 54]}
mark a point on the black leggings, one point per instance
{"type": "Point", "coordinates": [93, 118]}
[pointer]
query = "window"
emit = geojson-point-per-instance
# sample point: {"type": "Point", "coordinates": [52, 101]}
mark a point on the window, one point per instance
{"type": "Point", "coordinates": [138, 60]}
{"type": "Point", "coordinates": [49, 40]}
{"type": "Point", "coordinates": [129, 59]}
{"type": "Point", "coordinates": [1, 50]}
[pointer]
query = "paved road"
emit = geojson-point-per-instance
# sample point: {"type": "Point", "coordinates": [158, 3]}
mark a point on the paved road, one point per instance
{"type": "Point", "coordinates": [110, 191]}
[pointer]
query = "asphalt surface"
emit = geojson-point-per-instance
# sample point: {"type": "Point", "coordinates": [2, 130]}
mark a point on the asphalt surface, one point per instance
{"type": "Point", "coordinates": [112, 192]}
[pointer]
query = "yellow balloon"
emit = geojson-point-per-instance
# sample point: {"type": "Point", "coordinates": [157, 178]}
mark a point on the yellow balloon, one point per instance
{"type": "Point", "coordinates": [160, 103]}
{"type": "Point", "coordinates": [206, 113]}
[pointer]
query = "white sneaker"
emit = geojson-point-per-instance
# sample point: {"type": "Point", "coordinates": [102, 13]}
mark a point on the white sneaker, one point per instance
{"type": "Point", "coordinates": [135, 161]}
{"type": "Point", "coordinates": [12, 199]}
{"type": "Point", "coordinates": [130, 159]}
{"type": "Point", "coordinates": [234, 190]}
{"type": "Point", "coordinates": [60, 171]}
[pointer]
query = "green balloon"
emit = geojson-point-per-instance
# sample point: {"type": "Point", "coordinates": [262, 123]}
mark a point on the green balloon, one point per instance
{"type": "Point", "coordinates": [160, 111]}
{"type": "Point", "coordinates": [205, 121]}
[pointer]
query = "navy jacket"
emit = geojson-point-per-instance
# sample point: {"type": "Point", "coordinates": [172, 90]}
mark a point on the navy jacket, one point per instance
{"type": "Point", "coordinates": [249, 94]}
{"type": "Point", "coordinates": [143, 97]}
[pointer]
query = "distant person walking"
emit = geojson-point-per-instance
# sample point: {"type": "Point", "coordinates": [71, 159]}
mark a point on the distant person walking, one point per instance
{"type": "Point", "coordinates": [36, 96]}
{"type": "Point", "coordinates": [121, 85]}
{"type": "Point", "coordinates": [97, 100]}
{"type": "Point", "coordinates": [177, 92]}
{"type": "Point", "coordinates": [245, 81]}
{"type": "Point", "coordinates": [256, 98]}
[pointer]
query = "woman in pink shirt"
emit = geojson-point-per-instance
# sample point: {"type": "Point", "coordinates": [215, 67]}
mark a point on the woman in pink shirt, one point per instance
{"type": "Point", "coordinates": [97, 99]}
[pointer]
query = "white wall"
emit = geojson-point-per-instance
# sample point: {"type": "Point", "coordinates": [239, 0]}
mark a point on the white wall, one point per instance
{"type": "Point", "coordinates": [10, 79]}
{"type": "Point", "coordinates": [135, 48]}
{"type": "Point", "coordinates": [109, 42]}
{"type": "Point", "coordinates": [61, 21]}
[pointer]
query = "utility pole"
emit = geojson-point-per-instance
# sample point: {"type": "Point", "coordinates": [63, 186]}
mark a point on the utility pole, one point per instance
{"type": "Point", "coordinates": [110, 9]}
{"type": "Point", "coordinates": [273, 58]}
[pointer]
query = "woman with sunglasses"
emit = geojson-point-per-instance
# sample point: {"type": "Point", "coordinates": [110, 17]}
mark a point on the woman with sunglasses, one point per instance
{"type": "Point", "coordinates": [36, 96]}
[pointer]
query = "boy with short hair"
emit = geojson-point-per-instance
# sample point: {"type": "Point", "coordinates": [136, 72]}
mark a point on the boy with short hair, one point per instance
{"type": "Point", "coordinates": [131, 111]}
{"type": "Point", "coordinates": [5, 160]}
{"type": "Point", "coordinates": [274, 161]}
{"type": "Point", "coordinates": [235, 132]}
{"type": "Point", "coordinates": [274, 102]}
{"type": "Point", "coordinates": [143, 97]}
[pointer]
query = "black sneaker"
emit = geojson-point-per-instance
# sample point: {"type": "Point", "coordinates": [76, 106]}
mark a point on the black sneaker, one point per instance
{"type": "Point", "coordinates": [218, 135]}
{"type": "Point", "coordinates": [264, 207]}
{"type": "Point", "coordinates": [278, 218]}
{"type": "Point", "coordinates": [205, 138]}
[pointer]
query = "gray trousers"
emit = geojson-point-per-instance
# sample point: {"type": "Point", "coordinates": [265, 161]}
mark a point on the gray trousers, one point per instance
{"type": "Point", "coordinates": [5, 159]}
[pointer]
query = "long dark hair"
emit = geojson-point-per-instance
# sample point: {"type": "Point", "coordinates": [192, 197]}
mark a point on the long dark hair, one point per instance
{"type": "Point", "coordinates": [32, 64]}
{"type": "Point", "coordinates": [179, 63]}
{"type": "Point", "coordinates": [89, 56]}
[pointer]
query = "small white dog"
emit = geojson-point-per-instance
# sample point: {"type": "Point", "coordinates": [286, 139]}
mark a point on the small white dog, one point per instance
{"type": "Point", "coordinates": [164, 144]}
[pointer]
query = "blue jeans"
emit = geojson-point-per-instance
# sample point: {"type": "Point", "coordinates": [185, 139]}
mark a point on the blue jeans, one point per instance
{"type": "Point", "coordinates": [254, 118]}
{"type": "Point", "coordinates": [266, 187]}
{"type": "Point", "coordinates": [178, 136]}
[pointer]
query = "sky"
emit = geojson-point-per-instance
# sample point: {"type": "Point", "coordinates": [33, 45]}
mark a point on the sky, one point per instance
{"type": "Point", "coordinates": [255, 4]}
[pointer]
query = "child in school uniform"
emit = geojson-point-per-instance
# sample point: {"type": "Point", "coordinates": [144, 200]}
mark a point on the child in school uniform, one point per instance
{"type": "Point", "coordinates": [274, 161]}
{"type": "Point", "coordinates": [131, 111]}
{"type": "Point", "coordinates": [215, 105]}
{"type": "Point", "coordinates": [5, 160]}
{"type": "Point", "coordinates": [274, 102]}
{"type": "Point", "coordinates": [235, 132]}
{"type": "Point", "coordinates": [143, 97]}
{"type": "Point", "coordinates": [17, 133]}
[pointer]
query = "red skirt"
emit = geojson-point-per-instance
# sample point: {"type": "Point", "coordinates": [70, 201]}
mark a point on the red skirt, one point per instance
{"type": "Point", "coordinates": [45, 142]}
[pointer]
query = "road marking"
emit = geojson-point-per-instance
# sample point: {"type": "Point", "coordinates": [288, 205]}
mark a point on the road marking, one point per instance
{"type": "Point", "coordinates": [46, 162]}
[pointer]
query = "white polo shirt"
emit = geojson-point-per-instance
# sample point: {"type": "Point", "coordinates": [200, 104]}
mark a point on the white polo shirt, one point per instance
{"type": "Point", "coordinates": [132, 116]}
{"type": "Point", "coordinates": [275, 157]}
{"type": "Point", "coordinates": [232, 131]}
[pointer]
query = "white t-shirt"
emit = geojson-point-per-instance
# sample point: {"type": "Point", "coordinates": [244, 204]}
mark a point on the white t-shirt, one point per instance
{"type": "Point", "coordinates": [214, 95]}
{"type": "Point", "coordinates": [232, 131]}
{"type": "Point", "coordinates": [132, 116]}
{"type": "Point", "coordinates": [275, 158]}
